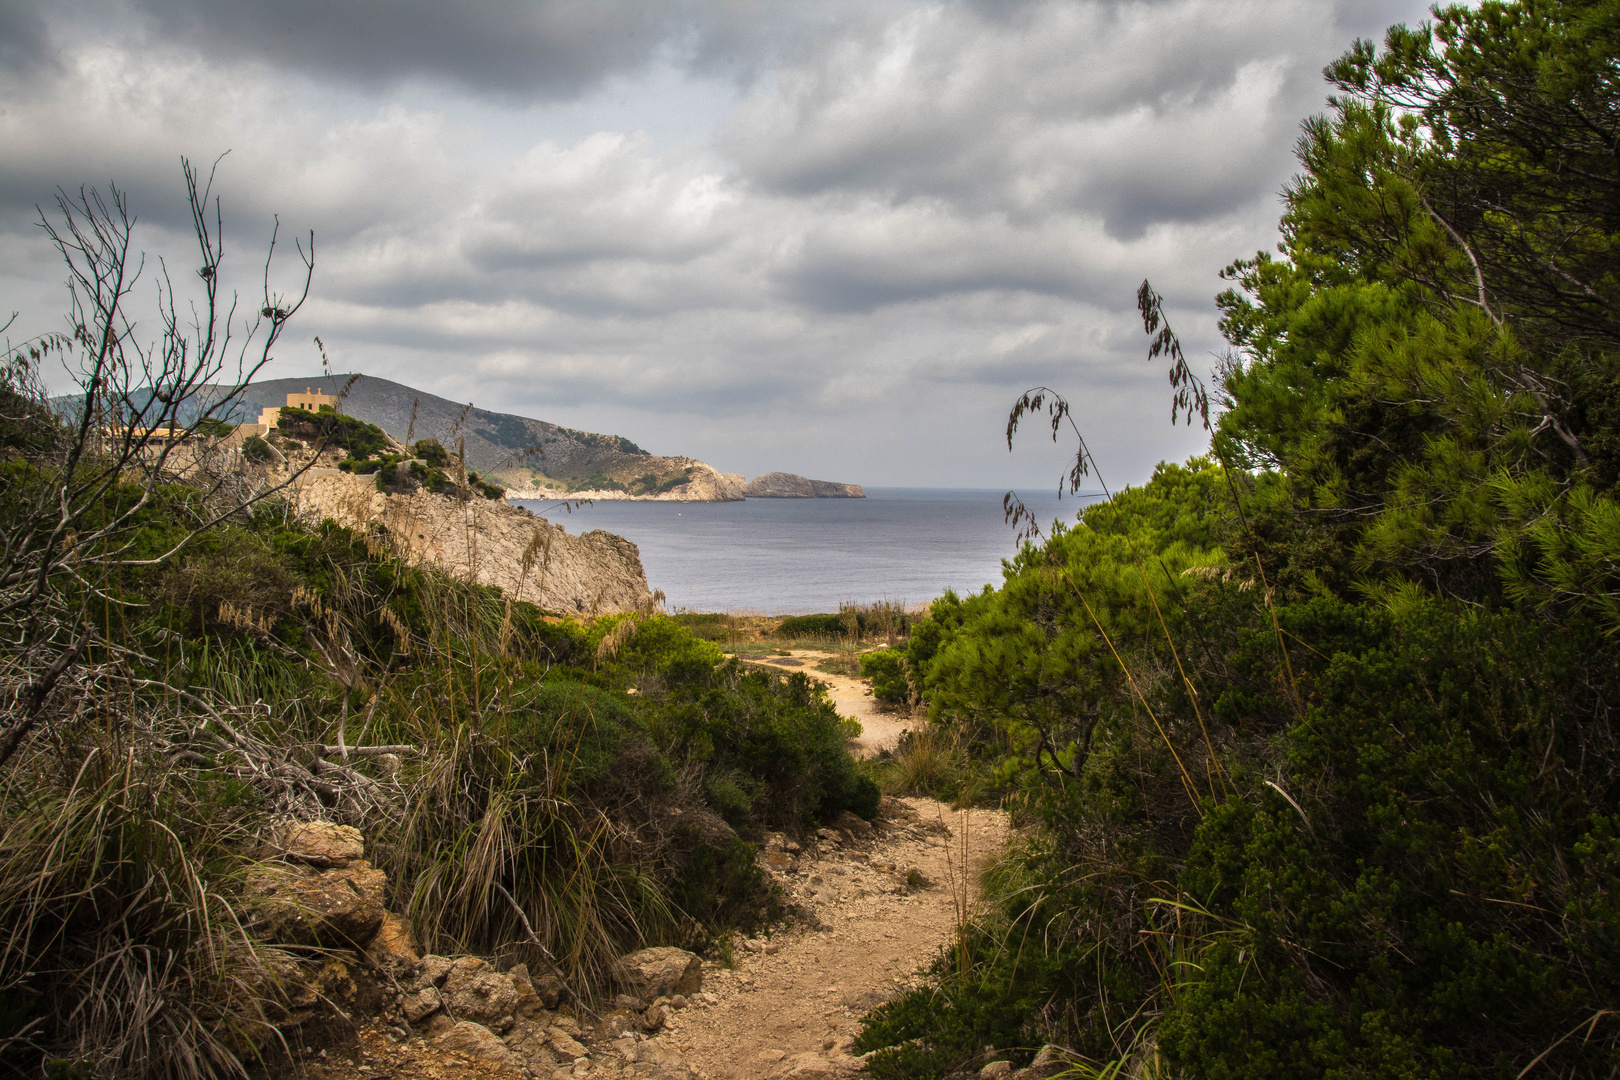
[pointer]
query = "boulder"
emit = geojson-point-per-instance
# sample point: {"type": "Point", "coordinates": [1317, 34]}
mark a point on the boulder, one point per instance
{"type": "Point", "coordinates": [564, 1045]}
{"type": "Point", "coordinates": [529, 1040]}
{"type": "Point", "coordinates": [432, 970]}
{"type": "Point", "coordinates": [480, 1044]}
{"type": "Point", "coordinates": [420, 1004]}
{"type": "Point", "coordinates": [529, 1006]}
{"type": "Point", "coordinates": [319, 843]}
{"type": "Point", "coordinates": [550, 989]}
{"type": "Point", "coordinates": [995, 1070]}
{"type": "Point", "coordinates": [661, 972]}
{"type": "Point", "coordinates": [393, 942]}
{"type": "Point", "coordinates": [301, 906]}
{"type": "Point", "coordinates": [475, 991]}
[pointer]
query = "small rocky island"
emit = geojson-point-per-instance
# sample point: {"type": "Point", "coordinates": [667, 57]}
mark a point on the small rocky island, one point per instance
{"type": "Point", "coordinates": [781, 485]}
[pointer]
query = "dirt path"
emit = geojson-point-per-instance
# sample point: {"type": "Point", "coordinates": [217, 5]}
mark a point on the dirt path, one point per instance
{"type": "Point", "coordinates": [880, 728]}
{"type": "Point", "coordinates": [792, 1007]}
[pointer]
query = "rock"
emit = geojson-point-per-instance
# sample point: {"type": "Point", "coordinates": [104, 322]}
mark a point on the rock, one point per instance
{"type": "Point", "coordinates": [753, 945]}
{"type": "Point", "coordinates": [771, 1056]}
{"type": "Point", "coordinates": [564, 1045]}
{"type": "Point", "coordinates": [779, 485]}
{"type": "Point", "coordinates": [475, 991]}
{"type": "Point", "coordinates": [1049, 1061]}
{"type": "Point", "coordinates": [392, 941]}
{"type": "Point", "coordinates": [996, 1069]}
{"type": "Point", "coordinates": [335, 908]}
{"type": "Point", "coordinates": [653, 1018]}
{"type": "Point", "coordinates": [677, 1001]}
{"type": "Point", "coordinates": [628, 1003]}
{"type": "Point", "coordinates": [478, 1043]}
{"type": "Point", "coordinates": [595, 572]}
{"type": "Point", "coordinates": [807, 1066]}
{"type": "Point", "coordinates": [319, 843]}
{"type": "Point", "coordinates": [550, 989]}
{"type": "Point", "coordinates": [421, 1003]}
{"type": "Point", "coordinates": [530, 1004]}
{"type": "Point", "coordinates": [661, 972]}
{"type": "Point", "coordinates": [530, 1041]}
{"type": "Point", "coordinates": [432, 970]}
{"type": "Point", "coordinates": [852, 824]}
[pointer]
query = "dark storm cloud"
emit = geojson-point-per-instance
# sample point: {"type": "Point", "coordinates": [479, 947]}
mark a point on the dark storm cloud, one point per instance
{"type": "Point", "coordinates": [561, 47]}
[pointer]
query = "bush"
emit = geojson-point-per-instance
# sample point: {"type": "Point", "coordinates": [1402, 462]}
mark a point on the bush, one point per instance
{"type": "Point", "coordinates": [256, 450]}
{"type": "Point", "coordinates": [886, 669]}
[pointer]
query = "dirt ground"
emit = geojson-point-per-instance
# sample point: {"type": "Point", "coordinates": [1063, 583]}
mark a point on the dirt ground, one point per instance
{"type": "Point", "coordinates": [801, 996]}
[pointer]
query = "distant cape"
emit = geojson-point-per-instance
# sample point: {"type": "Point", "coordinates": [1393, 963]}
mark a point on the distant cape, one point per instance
{"type": "Point", "coordinates": [781, 485]}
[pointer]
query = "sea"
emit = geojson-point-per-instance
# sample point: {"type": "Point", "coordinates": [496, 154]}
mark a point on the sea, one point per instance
{"type": "Point", "coordinates": [793, 556]}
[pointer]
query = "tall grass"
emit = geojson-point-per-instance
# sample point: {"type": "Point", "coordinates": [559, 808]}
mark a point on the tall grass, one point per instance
{"type": "Point", "coordinates": [121, 948]}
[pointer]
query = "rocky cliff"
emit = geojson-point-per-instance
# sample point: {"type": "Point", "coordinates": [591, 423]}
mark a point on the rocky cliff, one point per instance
{"type": "Point", "coordinates": [704, 483]}
{"type": "Point", "coordinates": [780, 485]}
{"type": "Point", "coordinates": [487, 541]}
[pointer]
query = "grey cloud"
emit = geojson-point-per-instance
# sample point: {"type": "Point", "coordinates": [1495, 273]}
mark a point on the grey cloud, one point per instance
{"type": "Point", "coordinates": [871, 262]}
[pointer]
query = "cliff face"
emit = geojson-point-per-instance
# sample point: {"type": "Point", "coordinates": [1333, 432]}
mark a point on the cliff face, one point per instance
{"type": "Point", "coordinates": [781, 485]}
{"type": "Point", "coordinates": [705, 484]}
{"type": "Point", "coordinates": [488, 541]}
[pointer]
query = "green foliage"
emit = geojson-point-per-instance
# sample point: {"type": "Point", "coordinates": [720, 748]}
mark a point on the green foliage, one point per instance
{"type": "Point", "coordinates": [256, 450]}
{"type": "Point", "coordinates": [886, 669]}
{"type": "Point", "coordinates": [431, 452]}
{"type": "Point", "coordinates": [1313, 738]}
{"type": "Point", "coordinates": [334, 429]}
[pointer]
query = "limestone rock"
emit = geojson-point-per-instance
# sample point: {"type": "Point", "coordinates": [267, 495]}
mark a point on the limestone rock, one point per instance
{"type": "Point", "coordinates": [432, 970]}
{"type": "Point", "coordinates": [341, 907]}
{"type": "Point", "coordinates": [807, 1066]}
{"type": "Point", "coordinates": [995, 1070]}
{"type": "Point", "coordinates": [661, 972]}
{"type": "Point", "coordinates": [594, 573]}
{"type": "Point", "coordinates": [479, 1043]}
{"type": "Point", "coordinates": [529, 1040]}
{"type": "Point", "coordinates": [394, 940]}
{"type": "Point", "coordinates": [779, 485]}
{"type": "Point", "coordinates": [419, 1004]}
{"type": "Point", "coordinates": [319, 843]}
{"type": "Point", "coordinates": [550, 989]}
{"type": "Point", "coordinates": [530, 1005]}
{"type": "Point", "coordinates": [565, 1046]}
{"type": "Point", "coordinates": [475, 991]}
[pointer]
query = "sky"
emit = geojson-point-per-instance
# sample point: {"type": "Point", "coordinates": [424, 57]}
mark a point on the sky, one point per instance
{"type": "Point", "coordinates": [836, 238]}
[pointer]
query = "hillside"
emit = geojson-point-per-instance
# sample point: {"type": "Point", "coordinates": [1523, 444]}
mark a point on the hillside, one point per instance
{"type": "Point", "coordinates": [499, 444]}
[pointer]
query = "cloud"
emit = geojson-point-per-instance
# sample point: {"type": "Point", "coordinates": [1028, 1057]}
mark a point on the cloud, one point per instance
{"type": "Point", "coordinates": [834, 238]}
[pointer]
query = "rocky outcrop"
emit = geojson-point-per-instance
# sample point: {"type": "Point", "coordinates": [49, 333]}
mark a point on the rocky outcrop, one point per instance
{"type": "Point", "coordinates": [707, 484]}
{"type": "Point", "coordinates": [781, 485]}
{"type": "Point", "coordinates": [488, 541]}
{"type": "Point", "coordinates": [661, 972]}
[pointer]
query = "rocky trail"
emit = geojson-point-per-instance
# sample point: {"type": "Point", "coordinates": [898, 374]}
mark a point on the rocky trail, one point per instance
{"type": "Point", "coordinates": [871, 905]}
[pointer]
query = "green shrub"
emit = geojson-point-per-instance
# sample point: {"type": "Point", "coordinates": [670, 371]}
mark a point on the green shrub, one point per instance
{"type": "Point", "coordinates": [886, 669]}
{"type": "Point", "coordinates": [256, 450]}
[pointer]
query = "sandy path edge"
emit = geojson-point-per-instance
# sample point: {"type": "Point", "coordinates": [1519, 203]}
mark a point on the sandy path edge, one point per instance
{"type": "Point", "coordinates": [880, 727]}
{"type": "Point", "coordinates": [862, 937]}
